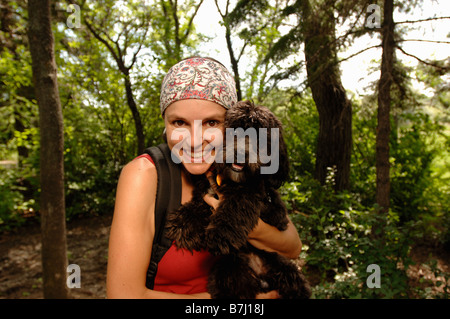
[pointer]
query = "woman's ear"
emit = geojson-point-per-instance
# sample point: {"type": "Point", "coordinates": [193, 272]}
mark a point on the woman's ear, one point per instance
{"type": "Point", "coordinates": [164, 135]}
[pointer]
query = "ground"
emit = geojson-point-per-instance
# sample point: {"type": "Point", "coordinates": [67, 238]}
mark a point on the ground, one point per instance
{"type": "Point", "coordinates": [87, 246]}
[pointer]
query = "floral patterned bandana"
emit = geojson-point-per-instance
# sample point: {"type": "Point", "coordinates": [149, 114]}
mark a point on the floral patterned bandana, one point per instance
{"type": "Point", "coordinates": [198, 78]}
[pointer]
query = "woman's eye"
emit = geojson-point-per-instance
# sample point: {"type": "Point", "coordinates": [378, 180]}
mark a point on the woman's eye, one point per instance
{"type": "Point", "coordinates": [178, 123]}
{"type": "Point", "coordinates": [212, 123]}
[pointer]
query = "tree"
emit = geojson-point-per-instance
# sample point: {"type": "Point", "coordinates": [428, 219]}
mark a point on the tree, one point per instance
{"type": "Point", "coordinates": [389, 76]}
{"type": "Point", "coordinates": [133, 27]}
{"type": "Point", "coordinates": [233, 59]}
{"type": "Point", "coordinates": [177, 25]}
{"type": "Point", "coordinates": [335, 111]}
{"type": "Point", "coordinates": [256, 24]}
{"type": "Point", "coordinates": [18, 95]}
{"type": "Point", "coordinates": [54, 258]}
{"type": "Point", "coordinates": [316, 29]}
{"type": "Point", "coordinates": [384, 108]}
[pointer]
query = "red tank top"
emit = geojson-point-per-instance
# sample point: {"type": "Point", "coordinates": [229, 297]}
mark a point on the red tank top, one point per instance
{"type": "Point", "coordinates": [181, 271]}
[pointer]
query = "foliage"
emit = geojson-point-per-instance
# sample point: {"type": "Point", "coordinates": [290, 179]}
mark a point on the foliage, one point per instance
{"type": "Point", "coordinates": [299, 116]}
{"type": "Point", "coordinates": [10, 199]}
{"type": "Point", "coordinates": [338, 229]}
{"type": "Point", "coordinates": [339, 243]}
{"type": "Point", "coordinates": [415, 190]}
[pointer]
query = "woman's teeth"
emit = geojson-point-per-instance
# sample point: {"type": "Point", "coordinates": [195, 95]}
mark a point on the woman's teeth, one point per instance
{"type": "Point", "coordinates": [195, 154]}
{"type": "Point", "coordinates": [195, 157]}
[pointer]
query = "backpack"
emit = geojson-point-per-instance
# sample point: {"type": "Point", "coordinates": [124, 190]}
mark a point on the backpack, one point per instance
{"type": "Point", "coordinates": [168, 198]}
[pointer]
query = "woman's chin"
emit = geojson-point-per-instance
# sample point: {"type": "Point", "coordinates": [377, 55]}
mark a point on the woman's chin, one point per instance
{"type": "Point", "coordinates": [197, 168]}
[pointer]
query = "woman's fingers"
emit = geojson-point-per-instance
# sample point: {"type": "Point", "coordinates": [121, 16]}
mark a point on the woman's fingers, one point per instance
{"type": "Point", "coordinates": [212, 181]}
{"type": "Point", "coordinates": [211, 201]}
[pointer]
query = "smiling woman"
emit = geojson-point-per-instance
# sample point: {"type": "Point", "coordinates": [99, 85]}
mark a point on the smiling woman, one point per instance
{"type": "Point", "coordinates": [193, 129]}
{"type": "Point", "coordinates": [195, 96]}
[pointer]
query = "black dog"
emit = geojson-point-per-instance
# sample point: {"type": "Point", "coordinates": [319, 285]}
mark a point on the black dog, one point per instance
{"type": "Point", "coordinates": [247, 195]}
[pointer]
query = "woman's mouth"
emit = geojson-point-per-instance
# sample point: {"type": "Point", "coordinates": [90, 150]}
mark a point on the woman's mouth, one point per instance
{"type": "Point", "coordinates": [197, 156]}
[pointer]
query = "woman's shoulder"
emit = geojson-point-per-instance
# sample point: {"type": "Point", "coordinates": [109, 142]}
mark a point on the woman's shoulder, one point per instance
{"type": "Point", "coordinates": [136, 192]}
{"type": "Point", "coordinates": [139, 172]}
{"type": "Point", "coordinates": [140, 164]}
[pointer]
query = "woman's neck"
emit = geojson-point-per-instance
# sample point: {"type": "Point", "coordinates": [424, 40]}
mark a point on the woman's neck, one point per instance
{"type": "Point", "coordinates": [186, 186]}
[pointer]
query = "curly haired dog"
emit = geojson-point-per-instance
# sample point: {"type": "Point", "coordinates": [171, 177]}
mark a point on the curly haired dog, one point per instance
{"type": "Point", "coordinates": [242, 271]}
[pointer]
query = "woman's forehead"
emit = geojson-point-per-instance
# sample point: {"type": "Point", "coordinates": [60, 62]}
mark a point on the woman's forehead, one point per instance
{"type": "Point", "coordinates": [195, 109]}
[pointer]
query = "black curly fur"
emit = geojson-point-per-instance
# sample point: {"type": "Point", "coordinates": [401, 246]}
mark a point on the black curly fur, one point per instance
{"type": "Point", "coordinates": [247, 196]}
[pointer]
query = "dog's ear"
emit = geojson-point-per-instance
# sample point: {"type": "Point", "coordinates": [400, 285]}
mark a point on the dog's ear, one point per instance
{"type": "Point", "coordinates": [282, 174]}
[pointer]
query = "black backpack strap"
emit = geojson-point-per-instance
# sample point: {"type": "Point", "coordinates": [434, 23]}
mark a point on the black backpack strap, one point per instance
{"type": "Point", "coordinates": [168, 198]}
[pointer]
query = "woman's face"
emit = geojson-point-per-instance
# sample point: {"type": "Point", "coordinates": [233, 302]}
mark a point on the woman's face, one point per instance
{"type": "Point", "coordinates": [193, 129]}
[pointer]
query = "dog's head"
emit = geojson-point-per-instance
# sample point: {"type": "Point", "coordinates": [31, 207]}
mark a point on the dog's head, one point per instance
{"type": "Point", "coordinates": [255, 137]}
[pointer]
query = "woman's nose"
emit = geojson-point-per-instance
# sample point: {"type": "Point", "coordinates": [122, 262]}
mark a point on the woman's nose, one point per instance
{"type": "Point", "coordinates": [197, 135]}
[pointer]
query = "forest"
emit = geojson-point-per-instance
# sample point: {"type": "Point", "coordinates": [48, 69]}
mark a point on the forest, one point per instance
{"type": "Point", "coordinates": [370, 163]}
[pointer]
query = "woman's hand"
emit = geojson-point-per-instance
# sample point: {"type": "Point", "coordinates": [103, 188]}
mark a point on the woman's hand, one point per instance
{"type": "Point", "coordinates": [210, 199]}
{"type": "Point", "coordinates": [273, 294]}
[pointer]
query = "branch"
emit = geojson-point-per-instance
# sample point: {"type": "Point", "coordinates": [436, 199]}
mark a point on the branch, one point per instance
{"type": "Point", "coordinates": [429, 41]}
{"type": "Point", "coordinates": [443, 68]}
{"type": "Point", "coordinates": [423, 20]}
{"type": "Point", "coordinates": [141, 42]}
{"type": "Point", "coordinates": [359, 52]}
{"type": "Point", "coordinates": [133, 61]}
{"type": "Point", "coordinates": [117, 58]}
{"type": "Point", "coordinates": [218, 9]}
{"type": "Point", "coordinates": [188, 30]}
{"type": "Point", "coordinates": [98, 37]}
{"type": "Point", "coordinates": [176, 22]}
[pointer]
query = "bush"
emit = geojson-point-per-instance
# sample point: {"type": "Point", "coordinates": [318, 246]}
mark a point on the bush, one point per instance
{"type": "Point", "coordinates": [15, 209]}
{"type": "Point", "coordinates": [341, 240]}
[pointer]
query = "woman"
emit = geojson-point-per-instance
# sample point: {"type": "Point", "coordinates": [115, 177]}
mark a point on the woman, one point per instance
{"type": "Point", "coordinates": [195, 95]}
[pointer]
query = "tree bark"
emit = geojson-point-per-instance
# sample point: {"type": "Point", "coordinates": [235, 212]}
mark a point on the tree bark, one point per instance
{"type": "Point", "coordinates": [136, 115]}
{"type": "Point", "coordinates": [53, 228]}
{"type": "Point", "coordinates": [335, 111]}
{"type": "Point", "coordinates": [234, 62]}
{"type": "Point", "coordinates": [384, 109]}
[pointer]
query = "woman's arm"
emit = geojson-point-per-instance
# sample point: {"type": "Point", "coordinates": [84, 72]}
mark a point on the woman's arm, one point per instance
{"type": "Point", "coordinates": [132, 232]}
{"type": "Point", "coordinates": [269, 238]}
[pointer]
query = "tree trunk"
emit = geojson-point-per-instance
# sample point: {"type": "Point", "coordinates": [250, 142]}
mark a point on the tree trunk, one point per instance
{"type": "Point", "coordinates": [384, 108]}
{"type": "Point", "coordinates": [54, 258]}
{"type": "Point", "coordinates": [335, 112]}
{"type": "Point", "coordinates": [234, 62]}
{"type": "Point", "coordinates": [136, 115]}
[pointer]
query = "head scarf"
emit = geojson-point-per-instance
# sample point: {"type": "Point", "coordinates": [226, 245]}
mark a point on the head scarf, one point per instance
{"type": "Point", "coordinates": [198, 78]}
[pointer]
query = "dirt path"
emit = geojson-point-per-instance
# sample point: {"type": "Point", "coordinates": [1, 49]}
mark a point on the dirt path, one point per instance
{"type": "Point", "coordinates": [87, 246]}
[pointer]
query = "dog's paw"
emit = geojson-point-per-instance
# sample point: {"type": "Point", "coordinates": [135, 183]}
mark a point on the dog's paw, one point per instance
{"type": "Point", "coordinates": [186, 229]}
{"type": "Point", "coordinates": [223, 240]}
{"type": "Point", "coordinates": [174, 228]}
